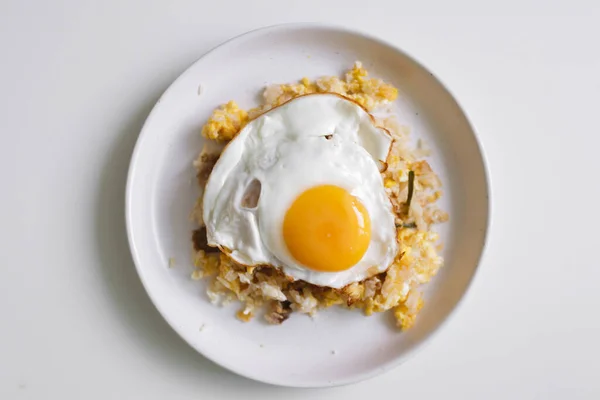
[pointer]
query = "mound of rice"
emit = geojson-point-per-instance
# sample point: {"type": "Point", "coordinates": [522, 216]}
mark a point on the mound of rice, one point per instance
{"type": "Point", "coordinates": [265, 288]}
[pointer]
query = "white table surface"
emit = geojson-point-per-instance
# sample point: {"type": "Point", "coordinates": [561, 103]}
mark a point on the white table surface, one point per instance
{"type": "Point", "coordinates": [78, 79]}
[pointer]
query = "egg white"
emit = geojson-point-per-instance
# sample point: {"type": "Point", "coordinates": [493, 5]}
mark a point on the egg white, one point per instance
{"type": "Point", "coordinates": [312, 140]}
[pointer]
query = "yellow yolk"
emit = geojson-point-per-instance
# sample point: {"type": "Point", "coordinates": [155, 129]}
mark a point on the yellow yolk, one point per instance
{"type": "Point", "coordinates": [327, 229]}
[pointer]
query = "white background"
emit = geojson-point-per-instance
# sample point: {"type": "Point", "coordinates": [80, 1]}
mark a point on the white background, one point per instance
{"type": "Point", "coordinates": [78, 78]}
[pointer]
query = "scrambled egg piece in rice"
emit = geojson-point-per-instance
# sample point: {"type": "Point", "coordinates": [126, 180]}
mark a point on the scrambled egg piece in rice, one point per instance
{"type": "Point", "coordinates": [417, 261]}
{"type": "Point", "coordinates": [225, 122]}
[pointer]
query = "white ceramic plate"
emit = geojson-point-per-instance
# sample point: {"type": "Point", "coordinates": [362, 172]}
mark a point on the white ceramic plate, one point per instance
{"type": "Point", "coordinates": [338, 346]}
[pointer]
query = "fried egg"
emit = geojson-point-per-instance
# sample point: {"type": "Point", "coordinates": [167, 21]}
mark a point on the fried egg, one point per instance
{"type": "Point", "coordinates": [299, 188]}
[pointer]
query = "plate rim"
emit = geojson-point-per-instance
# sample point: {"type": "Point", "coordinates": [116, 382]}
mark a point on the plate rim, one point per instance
{"type": "Point", "coordinates": [386, 367]}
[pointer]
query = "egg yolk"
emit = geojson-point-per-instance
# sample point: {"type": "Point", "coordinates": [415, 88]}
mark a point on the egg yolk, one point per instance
{"type": "Point", "coordinates": [327, 229]}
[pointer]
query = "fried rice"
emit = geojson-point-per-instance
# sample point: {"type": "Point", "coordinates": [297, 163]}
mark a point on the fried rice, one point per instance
{"type": "Point", "coordinates": [409, 181]}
